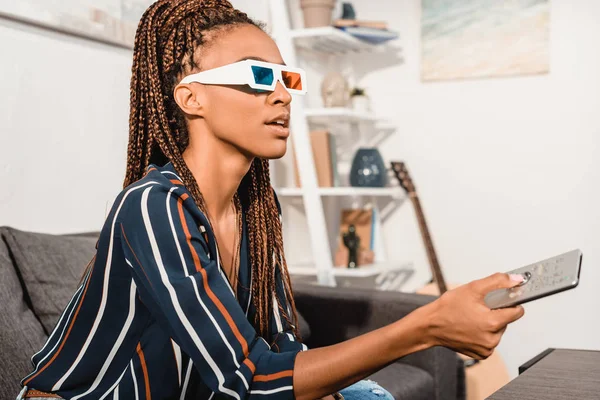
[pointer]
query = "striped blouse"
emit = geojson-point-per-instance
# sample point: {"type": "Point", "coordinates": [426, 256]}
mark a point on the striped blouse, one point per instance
{"type": "Point", "coordinates": [156, 318]}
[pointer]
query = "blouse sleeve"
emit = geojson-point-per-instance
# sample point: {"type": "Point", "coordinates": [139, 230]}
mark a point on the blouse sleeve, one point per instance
{"type": "Point", "coordinates": [181, 285]}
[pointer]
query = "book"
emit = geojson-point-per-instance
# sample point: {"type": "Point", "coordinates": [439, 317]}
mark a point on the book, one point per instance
{"type": "Point", "coordinates": [334, 162]}
{"type": "Point", "coordinates": [356, 22]}
{"type": "Point", "coordinates": [370, 35]}
{"type": "Point", "coordinates": [322, 156]}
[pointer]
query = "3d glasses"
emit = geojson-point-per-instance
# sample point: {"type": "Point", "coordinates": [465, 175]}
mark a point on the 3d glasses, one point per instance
{"type": "Point", "coordinates": [259, 75]}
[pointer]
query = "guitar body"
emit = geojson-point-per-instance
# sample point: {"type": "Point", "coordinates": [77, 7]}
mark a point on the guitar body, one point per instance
{"type": "Point", "coordinates": [482, 377]}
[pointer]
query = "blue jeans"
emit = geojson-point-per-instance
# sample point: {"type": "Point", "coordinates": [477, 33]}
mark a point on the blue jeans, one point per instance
{"type": "Point", "coordinates": [366, 390]}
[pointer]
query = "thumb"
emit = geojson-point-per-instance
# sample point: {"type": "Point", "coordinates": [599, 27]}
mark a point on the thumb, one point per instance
{"type": "Point", "coordinates": [497, 281]}
{"type": "Point", "coordinates": [510, 314]}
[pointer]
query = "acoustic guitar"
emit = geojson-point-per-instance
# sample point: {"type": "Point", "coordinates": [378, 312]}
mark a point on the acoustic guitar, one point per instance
{"type": "Point", "coordinates": [482, 377]}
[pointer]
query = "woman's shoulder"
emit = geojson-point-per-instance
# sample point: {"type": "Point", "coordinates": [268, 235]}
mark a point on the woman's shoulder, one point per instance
{"type": "Point", "coordinates": [156, 177]}
{"type": "Point", "coordinates": [152, 190]}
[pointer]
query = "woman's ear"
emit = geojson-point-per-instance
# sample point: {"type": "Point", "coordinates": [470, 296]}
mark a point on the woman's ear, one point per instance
{"type": "Point", "coordinates": [189, 98]}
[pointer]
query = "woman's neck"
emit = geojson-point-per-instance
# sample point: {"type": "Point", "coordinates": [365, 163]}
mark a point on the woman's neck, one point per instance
{"type": "Point", "coordinates": [218, 169]}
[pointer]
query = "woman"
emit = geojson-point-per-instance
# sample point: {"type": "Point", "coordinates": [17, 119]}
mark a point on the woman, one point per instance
{"type": "Point", "coordinates": [188, 296]}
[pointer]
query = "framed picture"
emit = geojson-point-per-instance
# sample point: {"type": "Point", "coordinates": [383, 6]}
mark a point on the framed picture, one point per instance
{"type": "Point", "coordinates": [464, 39]}
{"type": "Point", "coordinates": [109, 21]}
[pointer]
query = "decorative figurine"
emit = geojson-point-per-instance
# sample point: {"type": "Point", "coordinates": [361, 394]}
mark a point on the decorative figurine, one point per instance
{"type": "Point", "coordinates": [352, 242]}
{"type": "Point", "coordinates": [335, 90]}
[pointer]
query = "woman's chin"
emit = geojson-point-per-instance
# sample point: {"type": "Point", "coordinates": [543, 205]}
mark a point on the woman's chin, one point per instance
{"type": "Point", "coordinates": [273, 150]}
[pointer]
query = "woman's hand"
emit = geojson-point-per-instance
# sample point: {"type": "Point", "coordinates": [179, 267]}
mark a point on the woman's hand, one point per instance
{"type": "Point", "coordinates": [460, 320]}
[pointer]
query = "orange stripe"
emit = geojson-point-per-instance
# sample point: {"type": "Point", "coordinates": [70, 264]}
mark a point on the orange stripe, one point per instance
{"type": "Point", "coordinates": [144, 370]}
{"type": "Point", "coordinates": [272, 377]}
{"type": "Point", "coordinates": [208, 290]}
{"type": "Point", "coordinates": [184, 196]}
{"type": "Point", "coordinates": [68, 331]}
{"type": "Point", "coordinates": [250, 365]}
{"type": "Point", "coordinates": [177, 182]}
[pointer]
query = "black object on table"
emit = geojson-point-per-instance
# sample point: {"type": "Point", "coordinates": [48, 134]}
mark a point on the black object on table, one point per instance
{"type": "Point", "coordinates": [556, 374]}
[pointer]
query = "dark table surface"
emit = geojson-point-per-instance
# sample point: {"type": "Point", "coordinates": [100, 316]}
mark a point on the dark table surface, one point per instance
{"type": "Point", "coordinates": [560, 375]}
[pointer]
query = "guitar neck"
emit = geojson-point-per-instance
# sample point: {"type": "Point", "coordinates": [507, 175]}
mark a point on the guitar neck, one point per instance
{"type": "Point", "coordinates": [431, 255]}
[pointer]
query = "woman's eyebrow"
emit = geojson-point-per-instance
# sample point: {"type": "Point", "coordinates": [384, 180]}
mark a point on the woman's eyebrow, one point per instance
{"type": "Point", "coordinates": [258, 59]}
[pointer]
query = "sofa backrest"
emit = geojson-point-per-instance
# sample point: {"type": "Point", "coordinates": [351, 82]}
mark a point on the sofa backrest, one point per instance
{"type": "Point", "coordinates": [38, 275]}
{"type": "Point", "coordinates": [51, 267]}
{"type": "Point", "coordinates": [21, 333]}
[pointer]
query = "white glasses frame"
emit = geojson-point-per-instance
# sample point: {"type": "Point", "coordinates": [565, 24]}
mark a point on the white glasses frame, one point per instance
{"type": "Point", "coordinates": [240, 73]}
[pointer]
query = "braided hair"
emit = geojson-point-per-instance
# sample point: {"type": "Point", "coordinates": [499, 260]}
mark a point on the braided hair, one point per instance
{"type": "Point", "coordinates": [168, 35]}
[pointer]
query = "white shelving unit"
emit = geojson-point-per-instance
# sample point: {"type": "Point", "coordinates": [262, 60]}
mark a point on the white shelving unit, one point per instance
{"type": "Point", "coordinates": [332, 42]}
{"type": "Point", "coordinates": [396, 193]}
{"type": "Point", "coordinates": [326, 116]}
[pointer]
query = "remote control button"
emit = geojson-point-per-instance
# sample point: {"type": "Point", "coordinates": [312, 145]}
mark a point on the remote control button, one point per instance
{"type": "Point", "coordinates": [526, 278]}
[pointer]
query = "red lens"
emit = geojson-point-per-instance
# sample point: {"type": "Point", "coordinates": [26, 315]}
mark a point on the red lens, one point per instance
{"type": "Point", "coordinates": [292, 80]}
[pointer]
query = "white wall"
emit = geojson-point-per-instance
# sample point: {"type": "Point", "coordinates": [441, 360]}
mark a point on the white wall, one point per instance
{"type": "Point", "coordinates": [64, 110]}
{"type": "Point", "coordinates": [63, 121]}
{"type": "Point", "coordinates": [507, 169]}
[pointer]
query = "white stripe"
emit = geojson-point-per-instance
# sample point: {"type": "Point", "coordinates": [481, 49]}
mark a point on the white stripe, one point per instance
{"type": "Point", "coordinates": [177, 351]}
{"type": "Point", "coordinates": [243, 379]}
{"type": "Point", "coordinates": [62, 333]}
{"type": "Point", "coordinates": [249, 293]}
{"type": "Point", "coordinates": [116, 394]}
{"type": "Point", "coordinates": [304, 347]}
{"type": "Point", "coordinates": [173, 296]}
{"type": "Point", "coordinates": [110, 389]}
{"type": "Point", "coordinates": [134, 378]}
{"type": "Point", "coordinates": [183, 265]}
{"type": "Point", "coordinates": [195, 285]}
{"type": "Point", "coordinates": [60, 321]}
{"type": "Point", "coordinates": [211, 396]}
{"type": "Point", "coordinates": [291, 337]}
{"type": "Point", "coordinates": [172, 173]}
{"type": "Point", "coordinates": [187, 379]}
{"type": "Point", "coordinates": [100, 313]}
{"type": "Point", "coordinates": [281, 389]}
{"type": "Point", "coordinates": [116, 346]}
{"type": "Point", "coordinates": [276, 314]}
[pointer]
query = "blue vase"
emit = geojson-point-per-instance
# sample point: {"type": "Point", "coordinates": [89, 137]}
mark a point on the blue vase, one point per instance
{"type": "Point", "coordinates": [368, 169]}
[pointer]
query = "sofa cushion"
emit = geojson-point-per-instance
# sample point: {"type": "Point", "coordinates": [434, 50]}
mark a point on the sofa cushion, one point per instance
{"type": "Point", "coordinates": [21, 334]}
{"type": "Point", "coordinates": [51, 267]}
{"type": "Point", "coordinates": [405, 381]}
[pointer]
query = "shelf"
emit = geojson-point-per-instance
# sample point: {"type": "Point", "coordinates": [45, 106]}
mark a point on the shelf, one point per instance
{"type": "Point", "coordinates": [336, 115]}
{"type": "Point", "coordinates": [393, 191]}
{"type": "Point", "coordinates": [365, 271]}
{"type": "Point", "coordinates": [331, 41]}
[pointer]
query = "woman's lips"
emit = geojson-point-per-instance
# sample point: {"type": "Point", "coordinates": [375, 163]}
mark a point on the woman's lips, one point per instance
{"type": "Point", "coordinates": [279, 130]}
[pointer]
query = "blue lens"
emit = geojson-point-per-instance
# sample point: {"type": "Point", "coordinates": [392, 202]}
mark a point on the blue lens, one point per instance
{"type": "Point", "coordinates": [262, 75]}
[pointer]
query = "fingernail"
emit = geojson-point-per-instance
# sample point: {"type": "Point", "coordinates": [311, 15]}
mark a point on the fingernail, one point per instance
{"type": "Point", "coordinates": [516, 277]}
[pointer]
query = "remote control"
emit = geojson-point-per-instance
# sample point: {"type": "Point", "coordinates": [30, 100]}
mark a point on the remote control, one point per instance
{"type": "Point", "coordinates": [541, 279]}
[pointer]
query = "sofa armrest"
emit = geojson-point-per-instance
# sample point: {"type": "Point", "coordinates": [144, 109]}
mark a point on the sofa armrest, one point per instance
{"type": "Point", "coordinates": [338, 314]}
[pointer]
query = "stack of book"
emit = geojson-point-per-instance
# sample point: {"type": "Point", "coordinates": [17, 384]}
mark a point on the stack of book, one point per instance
{"type": "Point", "coordinates": [375, 32]}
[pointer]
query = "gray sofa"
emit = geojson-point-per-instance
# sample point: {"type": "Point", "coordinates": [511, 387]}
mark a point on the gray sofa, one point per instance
{"type": "Point", "coordinates": [39, 272]}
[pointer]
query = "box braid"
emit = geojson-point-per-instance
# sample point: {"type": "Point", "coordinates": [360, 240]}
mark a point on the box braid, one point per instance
{"type": "Point", "coordinates": [167, 38]}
